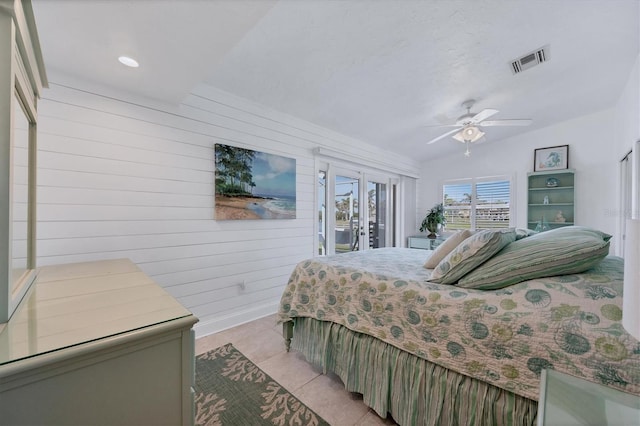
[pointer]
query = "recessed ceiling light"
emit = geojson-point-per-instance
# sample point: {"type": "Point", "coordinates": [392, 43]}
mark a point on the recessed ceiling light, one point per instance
{"type": "Point", "coordinates": [130, 62]}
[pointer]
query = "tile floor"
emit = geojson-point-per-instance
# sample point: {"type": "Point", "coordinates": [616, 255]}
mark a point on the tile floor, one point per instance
{"type": "Point", "coordinates": [261, 341]}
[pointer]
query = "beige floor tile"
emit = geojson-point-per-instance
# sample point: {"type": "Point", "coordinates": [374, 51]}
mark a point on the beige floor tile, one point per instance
{"type": "Point", "coordinates": [261, 345]}
{"type": "Point", "coordinates": [290, 369]}
{"type": "Point", "coordinates": [207, 343]}
{"type": "Point", "coordinates": [326, 396]}
{"type": "Point", "coordinates": [233, 335]}
{"type": "Point", "coordinates": [268, 322]}
{"type": "Point", "coordinates": [372, 419]}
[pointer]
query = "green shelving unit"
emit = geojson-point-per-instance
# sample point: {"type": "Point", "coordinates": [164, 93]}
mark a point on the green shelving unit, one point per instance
{"type": "Point", "coordinates": [550, 199]}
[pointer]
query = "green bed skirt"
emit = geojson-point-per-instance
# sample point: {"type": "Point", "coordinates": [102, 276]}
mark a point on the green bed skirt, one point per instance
{"type": "Point", "coordinates": [414, 390]}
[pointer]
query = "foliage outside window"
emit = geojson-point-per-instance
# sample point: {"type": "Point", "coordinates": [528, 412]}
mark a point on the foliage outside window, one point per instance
{"type": "Point", "coordinates": [477, 203]}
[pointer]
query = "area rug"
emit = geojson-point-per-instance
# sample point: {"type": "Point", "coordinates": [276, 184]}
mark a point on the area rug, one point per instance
{"type": "Point", "coordinates": [231, 390]}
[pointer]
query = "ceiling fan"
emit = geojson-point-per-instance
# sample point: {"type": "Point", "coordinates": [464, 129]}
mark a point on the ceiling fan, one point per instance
{"type": "Point", "coordinates": [466, 126]}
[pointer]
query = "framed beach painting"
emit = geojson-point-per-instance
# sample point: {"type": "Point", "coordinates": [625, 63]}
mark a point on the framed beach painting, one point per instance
{"type": "Point", "coordinates": [253, 185]}
{"type": "Point", "coordinates": [552, 158]}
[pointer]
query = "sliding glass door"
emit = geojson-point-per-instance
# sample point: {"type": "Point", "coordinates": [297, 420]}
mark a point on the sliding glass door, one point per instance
{"type": "Point", "coordinates": [353, 210]}
{"type": "Point", "coordinates": [348, 220]}
{"type": "Point", "coordinates": [377, 213]}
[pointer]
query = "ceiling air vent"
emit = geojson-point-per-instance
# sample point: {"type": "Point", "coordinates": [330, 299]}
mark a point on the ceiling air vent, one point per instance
{"type": "Point", "coordinates": [530, 60]}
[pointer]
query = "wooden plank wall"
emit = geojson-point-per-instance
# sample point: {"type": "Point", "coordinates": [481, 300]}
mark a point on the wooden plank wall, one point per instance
{"type": "Point", "coordinates": [126, 179]}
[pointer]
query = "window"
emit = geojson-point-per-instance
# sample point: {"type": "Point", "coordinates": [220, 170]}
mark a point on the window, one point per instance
{"type": "Point", "coordinates": [477, 203]}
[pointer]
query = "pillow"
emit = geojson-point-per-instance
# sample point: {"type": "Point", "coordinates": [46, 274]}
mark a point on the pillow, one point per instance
{"type": "Point", "coordinates": [560, 251]}
{"type": "Point", "coordinates": [471, 253]}
{"type": "Point", "coordinates": [524, 232]}
{"type": "Point", "coordinates": [580, 230]}
{"type": "Point", "coordinates": [446, 247]}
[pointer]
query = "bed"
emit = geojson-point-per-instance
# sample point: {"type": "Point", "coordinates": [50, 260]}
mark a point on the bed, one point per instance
{"type": "Point", "coordinates": [440, 353]}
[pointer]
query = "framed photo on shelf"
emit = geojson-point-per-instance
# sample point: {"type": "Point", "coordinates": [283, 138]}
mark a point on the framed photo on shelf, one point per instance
{"type": "Point", "coordinates": [552, 158]}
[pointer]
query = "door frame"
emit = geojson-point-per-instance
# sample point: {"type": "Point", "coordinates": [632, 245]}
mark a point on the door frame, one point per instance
{"type": "Point", "coordinates": [364, 175]}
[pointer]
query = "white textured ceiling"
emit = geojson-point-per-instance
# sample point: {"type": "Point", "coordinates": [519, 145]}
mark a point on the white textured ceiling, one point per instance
{"type": "Point", "coordinates": [376, 70]}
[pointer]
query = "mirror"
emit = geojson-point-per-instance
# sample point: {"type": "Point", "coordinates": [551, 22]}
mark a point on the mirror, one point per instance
{"type": "Point", "coordinates": [20, 195]}
{"type": "Point", "coordinates": [22, 78]}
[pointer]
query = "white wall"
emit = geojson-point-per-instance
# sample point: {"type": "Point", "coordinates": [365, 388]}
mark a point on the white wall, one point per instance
{"type": "Point", "coordinates": [627, 113]}
{"type": "Point", "coordinates": [626, 131]}
{"type": "Point", "coordinates": [590, 139]}
{"type": "Point", "coordinates": [120, 177]}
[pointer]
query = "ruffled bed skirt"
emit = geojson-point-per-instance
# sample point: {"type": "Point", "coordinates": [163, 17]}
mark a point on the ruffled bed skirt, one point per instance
{"type": "Point", "coordinates": [415, 391]}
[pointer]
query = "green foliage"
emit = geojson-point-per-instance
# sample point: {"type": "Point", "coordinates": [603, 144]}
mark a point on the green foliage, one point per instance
{"type": "Point", "coordinates": [434, 217]}
{"type": "Point", "coordinates": [233, 170]}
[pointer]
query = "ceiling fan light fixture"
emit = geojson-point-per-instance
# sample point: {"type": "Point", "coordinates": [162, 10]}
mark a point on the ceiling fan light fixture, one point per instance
{"type": "Point", "coordinates": [468, 134]}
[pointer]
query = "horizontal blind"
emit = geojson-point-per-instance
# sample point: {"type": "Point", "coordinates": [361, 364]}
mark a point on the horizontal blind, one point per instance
{"type": "Point", "coordinates": [492, 204]}
{"type": "Point", "coordinates": [457, 205]}
{"type": "Point", "coordinates": [477, 204]}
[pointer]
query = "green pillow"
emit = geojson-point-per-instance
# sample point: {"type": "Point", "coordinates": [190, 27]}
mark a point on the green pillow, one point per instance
{"type": "Point", "coordinates": [471, 253]}
{"type": "Point", "coordinates": [561, 251]}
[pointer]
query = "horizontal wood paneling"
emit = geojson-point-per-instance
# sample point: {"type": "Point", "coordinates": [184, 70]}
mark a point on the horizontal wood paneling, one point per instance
{"type": "Point", "coordinates": [124, 179]}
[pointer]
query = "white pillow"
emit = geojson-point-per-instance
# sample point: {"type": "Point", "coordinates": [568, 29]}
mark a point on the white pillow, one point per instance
{"type": "Point", "coordinates": [446, 247]}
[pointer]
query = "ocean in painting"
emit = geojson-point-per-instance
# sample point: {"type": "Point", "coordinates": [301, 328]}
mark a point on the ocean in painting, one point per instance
{"type": "Point", "coordinates": [275, 207]}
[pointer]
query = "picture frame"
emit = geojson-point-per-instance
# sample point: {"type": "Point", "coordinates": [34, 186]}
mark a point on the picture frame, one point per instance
{"type": "Point", "coordinates": [551, 158]}
{"type": "Point", "coordinates": [253, 184]}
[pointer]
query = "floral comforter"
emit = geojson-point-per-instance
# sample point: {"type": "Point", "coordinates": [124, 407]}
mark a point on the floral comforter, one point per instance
{"type": "Point", "coordinates": [571, 323]}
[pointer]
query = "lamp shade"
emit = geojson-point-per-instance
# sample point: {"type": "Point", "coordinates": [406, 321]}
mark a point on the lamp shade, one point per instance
{"type": "Point", "coordinates": [631, 295]}
{"type": "Point", "coordinates": [468, 134]}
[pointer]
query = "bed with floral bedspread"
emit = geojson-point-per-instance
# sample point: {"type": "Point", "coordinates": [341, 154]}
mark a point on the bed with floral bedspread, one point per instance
{"type": "Point", "coordinates": [504, 338]}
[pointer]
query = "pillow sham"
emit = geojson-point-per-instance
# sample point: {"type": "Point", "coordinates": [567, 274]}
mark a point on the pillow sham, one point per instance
{"type": "Point", "coordinates": [471, 253]}
{"type": "Point", "coordinates": [580, 230]}
{"type": "Point", "coordinates": [561, 251]}
{"type": "Point", "coordinates": [524, 232]}
{"type": "Point", "coordinates": [446, 247]}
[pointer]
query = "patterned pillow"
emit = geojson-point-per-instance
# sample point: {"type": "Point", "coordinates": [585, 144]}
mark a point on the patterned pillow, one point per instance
{"type": "Point", "coordinates": [471, 253]}
{"type": "Point", "coordinates": [561, 251]}
{"type": "Point", "coordinates": [446, 247]}
{"type": "Point", "coordinates": [524, 232]}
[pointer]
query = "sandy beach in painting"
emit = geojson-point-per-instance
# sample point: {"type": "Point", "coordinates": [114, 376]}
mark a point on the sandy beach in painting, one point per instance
{"type": "Point", "coordinates": [235, 207]}
{"type": "Point", "coordinates": [252, 208]}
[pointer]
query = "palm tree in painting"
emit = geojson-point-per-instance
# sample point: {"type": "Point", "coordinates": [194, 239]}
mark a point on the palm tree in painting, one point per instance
{"type": "Point", "coordinates": [233, 170]}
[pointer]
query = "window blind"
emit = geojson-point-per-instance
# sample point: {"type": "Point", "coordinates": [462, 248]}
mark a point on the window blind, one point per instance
{"type": "Point", "coordinates": [477, 204]}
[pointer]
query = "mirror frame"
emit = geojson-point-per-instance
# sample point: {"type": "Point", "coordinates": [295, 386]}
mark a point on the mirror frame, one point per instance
{"type": "Point", "coordinates": [22, 78]}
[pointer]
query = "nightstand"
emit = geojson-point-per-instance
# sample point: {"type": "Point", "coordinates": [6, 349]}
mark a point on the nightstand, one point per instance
{"type": "Point", "coordinates": [422, 242]}
{"type": "Point", "coordinates": [568, 400]}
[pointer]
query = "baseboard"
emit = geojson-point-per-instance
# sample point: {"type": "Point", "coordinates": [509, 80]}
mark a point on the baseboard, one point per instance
{"type": "Point", "coordinates": [204, 328]}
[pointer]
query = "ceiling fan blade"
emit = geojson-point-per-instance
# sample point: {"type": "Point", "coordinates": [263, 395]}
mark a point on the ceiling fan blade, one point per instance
{"type": "Point", "coordinates": [512, 122]}
{"type": "Point", "coordinates": [483, 115]}
{"type": "Point", "coordinates": [441, 125]}
{"type": "Point", "coordinates": [444, 135]}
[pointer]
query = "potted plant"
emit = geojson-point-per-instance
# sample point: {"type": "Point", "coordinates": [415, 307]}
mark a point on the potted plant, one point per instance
{"type": "Point", "coordinates": [434, 218]}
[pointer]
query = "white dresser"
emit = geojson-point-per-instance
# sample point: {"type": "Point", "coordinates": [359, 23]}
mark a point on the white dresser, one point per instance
{"type": "Point", "coordinates": [97, 343]}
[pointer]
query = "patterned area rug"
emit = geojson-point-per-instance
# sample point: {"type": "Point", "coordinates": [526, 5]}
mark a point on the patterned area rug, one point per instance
{"type": "Point", "coordinates": [231, 390]}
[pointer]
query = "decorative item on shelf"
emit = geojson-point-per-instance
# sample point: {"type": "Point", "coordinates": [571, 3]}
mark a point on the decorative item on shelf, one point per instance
{"type": "Point", "coordinates": [552, 158]}
{"type": "Point", "coordinates": [546, 200]}
{"type": "Point", "coordinates": [542, 225]}
{"type": "Point", "coordinates": [433, 219]}
{"type": "Point", "coordinates": [560, 218]}
{"type": "Point", "coordinates": [552, 182]}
